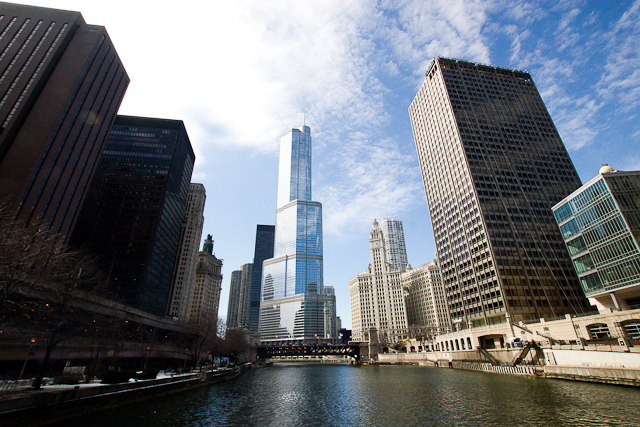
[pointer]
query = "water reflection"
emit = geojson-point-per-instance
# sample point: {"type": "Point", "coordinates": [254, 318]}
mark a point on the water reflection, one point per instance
{"type": "Point", "coordinates": [330, 395]}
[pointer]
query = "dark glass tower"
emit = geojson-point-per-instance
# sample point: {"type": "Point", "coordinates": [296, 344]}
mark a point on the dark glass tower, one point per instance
{"type": "Point", "coordinates": [493, 165]}
{"type": "Point", "coordinates": [135, 206]}
{"type": "Point", "coordinates": [61, 85]}
{"type": "Point", "coordinates": [265, 235]}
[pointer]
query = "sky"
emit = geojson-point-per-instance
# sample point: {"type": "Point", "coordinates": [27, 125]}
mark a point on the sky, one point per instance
{"type": "Point", "coordinates": [240, 73]}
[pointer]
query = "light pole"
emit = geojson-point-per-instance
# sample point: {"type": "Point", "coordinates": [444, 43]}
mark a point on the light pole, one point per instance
{"type": "Point", "coordinates": [24, 365]}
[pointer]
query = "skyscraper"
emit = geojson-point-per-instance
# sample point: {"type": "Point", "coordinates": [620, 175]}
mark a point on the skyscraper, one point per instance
{"type": "Point", "coordinates": [244, 301]}
{"type": "Point", "coordinates": [265, 235]}
{"type": "Point", "coordinates": [234, 299]}
{"type": "Point", "coordinates": [293, 303]}
{"type": "Point", "coordinates": [62, 84]}
{"type": "Point", "coordinates": [205, 296]}
{"type": "Point", "coordinates": [377, 296]}
{"type": "Point", "coordinates": [133, 213]}
{"type": "Point", "coordinates": [394, 242]}
{"type": "Point", "coordinates": [493, 164]}
{"type": "Point", "coordinates": [184, 273]}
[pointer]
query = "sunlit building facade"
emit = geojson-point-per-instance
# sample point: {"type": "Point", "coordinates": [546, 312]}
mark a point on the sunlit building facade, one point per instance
{"type": "Point", "coordinates": [184, 274]}
{"type": "Point", "coordinates": [393, 234]}
{"type": "Point", "coordinates": [293, 298]}
{"type": "Point", "coordinates": [377, 296]}
{"type": "Point", "coordinates": [600, 223]}
{"type": "Point", "coordinates": [425, 300]}
{"type": "Point", "coordinates": [205, 296]}
{"type": "Point", "coordinates": [493, 165]}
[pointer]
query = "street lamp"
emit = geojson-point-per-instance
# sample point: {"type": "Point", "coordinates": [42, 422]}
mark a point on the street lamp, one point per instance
{"type": "Point", "coordinates": [24, 365]}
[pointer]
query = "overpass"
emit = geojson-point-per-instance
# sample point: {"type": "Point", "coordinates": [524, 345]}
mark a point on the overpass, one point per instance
{"type": "Point", "coordinates": [269, 351]}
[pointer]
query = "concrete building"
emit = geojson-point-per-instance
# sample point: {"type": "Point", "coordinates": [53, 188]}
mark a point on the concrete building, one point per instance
{"type": "Point", "coordinates": [244, 300]}
{"type": "Point", "coordinates": [394, 242]}
{"type": "Point", "coordinates": [425, 299]}
{"type": "Point", "coordinates": [600, 224]}
{"type": "Point", "coordinates": [62, 85]}
{"type": "Point", "coordinates": [377, 296]}
{"type": "Point", "coordinates": [205, 298]}
{"type": "Point", "coordinates": [493, 165]}
{"type": "Point", "coordinates": [294, 305]}
{"type": "Point", "coordinates": [184, 273]}
{"type": "Point", "coordinates": [132, 216]}
{"type": "Point", "coordinates": [265, 235]}
{"type": "Point", "coordinates": [234, 299]}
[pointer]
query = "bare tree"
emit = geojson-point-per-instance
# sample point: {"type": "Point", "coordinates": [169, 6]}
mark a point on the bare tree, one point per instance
{"type": "Point", "coordinates": [42, 284]}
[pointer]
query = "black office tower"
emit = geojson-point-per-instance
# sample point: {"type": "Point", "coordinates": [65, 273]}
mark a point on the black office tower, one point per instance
{"type": "Point", "coordinates": [265, 235]}
{"type": "Point", "coordinates": [61, 84]}
{"type": "Point", "coordinates": [134, 208]}
{"type": "Point", "coordinates": [493, 165]}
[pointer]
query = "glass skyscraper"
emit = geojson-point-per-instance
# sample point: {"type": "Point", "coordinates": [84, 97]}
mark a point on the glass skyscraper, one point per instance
{"type": "Point", "coordinates": [293, 300]}
{"type": "Point", "coordinates": [600, 223]}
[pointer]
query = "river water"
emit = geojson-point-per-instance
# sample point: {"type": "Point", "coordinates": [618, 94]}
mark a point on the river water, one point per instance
{"type": "Point", "coordinates": [345, 395]}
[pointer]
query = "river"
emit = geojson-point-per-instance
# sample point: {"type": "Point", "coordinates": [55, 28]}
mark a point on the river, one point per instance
{"type": "Point", "coordinates": [345, 395]}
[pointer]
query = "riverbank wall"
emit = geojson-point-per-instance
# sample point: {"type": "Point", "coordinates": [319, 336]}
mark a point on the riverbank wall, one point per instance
{"type": "Point", "coordinates": [57, 403]}
{"type": "Point", "coordinates": [620, 368]}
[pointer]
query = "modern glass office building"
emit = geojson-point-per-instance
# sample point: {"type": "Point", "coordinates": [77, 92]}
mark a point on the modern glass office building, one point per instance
{"type": "Point", "coordinates": [132, 216]}
{"type": "Point", "coordinates": [493, 165]}
{"type": "Point", "coordinates": [293, 300]}
{"type": "Point", "coordinates": [600, 224]}
{"type": "Point", "coordinates": [265, 235]}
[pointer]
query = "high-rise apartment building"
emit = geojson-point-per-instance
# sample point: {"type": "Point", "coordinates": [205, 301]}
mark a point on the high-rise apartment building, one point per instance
{"type": "Point", "coordinates": [205, 296]}
{"type": "Point", "coordinates": [62, 83]}
{"type": "Point", "coordinates": [493, 165]}
{"type": "Point", "coordinates": [234, 299]}
{"type": "Point", "coordinates": [184, 273]}
{"type": "Point", "coordinates": [265, 236]}
{"type": "Point", "coordinates": [244, 302]}
{"type": "Point", "coordinates": [600, 223]}
{"type": "Point", "coordinates": [132, 216]}
{"type": "Point", "coordinates": [394, 242]}
{"type": "Point", "coordinates": [293, 300]}
{"type": "Point", "coordinates": [424, 297]}
{"type": "Point", "coordinates": [377, 295]}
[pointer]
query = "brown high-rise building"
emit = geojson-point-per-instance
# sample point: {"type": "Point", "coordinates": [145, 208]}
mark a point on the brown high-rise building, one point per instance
{"type": "Point", "coordinates": [493, 165]}
{"type": "Point", "coordinates": [61, 84]}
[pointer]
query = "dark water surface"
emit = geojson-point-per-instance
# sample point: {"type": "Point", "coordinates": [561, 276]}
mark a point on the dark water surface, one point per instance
{"type": "Point", "coordinates": [344, 395]}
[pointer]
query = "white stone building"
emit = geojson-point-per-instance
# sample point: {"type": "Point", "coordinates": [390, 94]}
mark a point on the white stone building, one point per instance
{"type": "Point", "coordinates": [377, 296]}
{"type": "Point", "coordinates": [425, 299]}
{"type": "Point", "coordinates": [393, 234]}
{"type": "Point", "coordinates": [185, 269]}
{"type": "Point", "coordinates": [205, 297]}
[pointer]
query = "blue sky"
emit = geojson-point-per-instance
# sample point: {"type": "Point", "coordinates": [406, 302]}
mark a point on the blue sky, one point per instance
{"type": "Point", "coordinates": [241, 73]}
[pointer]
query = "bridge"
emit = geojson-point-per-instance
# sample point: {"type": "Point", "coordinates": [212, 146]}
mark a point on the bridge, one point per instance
{"type": "Point", "coordinates": [267, 352]}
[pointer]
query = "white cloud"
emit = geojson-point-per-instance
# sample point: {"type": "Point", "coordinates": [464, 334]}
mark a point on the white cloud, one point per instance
{"type": "Point", "coordinates": [620, 82]}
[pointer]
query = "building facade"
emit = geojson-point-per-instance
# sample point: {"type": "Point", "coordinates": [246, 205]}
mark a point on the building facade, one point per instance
{"type": "Point", "coordinates": [205, 297]}
{"type": "Point", "coordinates": [132, 216]}
{"type": "Point", "coordinates": [62, 85]}
{"type": "Point", "coordinates": [377, 296]}
{"type": "Point", "coordinates": [265, 236]}
{"type": "Point", "coordinates": [425, 300]}
{"type": "Point", "coordinates": [394, 242]}
{"type": "Point", "coordinates": [493, 165]}
{"type": "Point", "coordinates": [184, 273]}
{"type": "Point", "coordinates": [293, 301]}
{"type": "Point", "coordinates": [234, 299]}
{"type": "Point", "coordinates": [244, 301]}
{"type": "Point", "coordinates": [600, 223]}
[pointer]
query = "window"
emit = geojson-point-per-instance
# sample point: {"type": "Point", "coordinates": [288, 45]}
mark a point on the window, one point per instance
{"type": "Point", "coordinates": [599, 331]}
